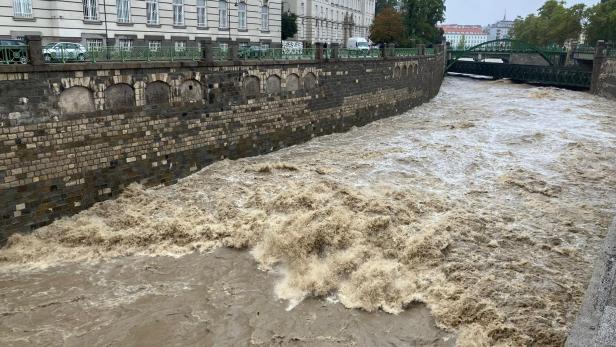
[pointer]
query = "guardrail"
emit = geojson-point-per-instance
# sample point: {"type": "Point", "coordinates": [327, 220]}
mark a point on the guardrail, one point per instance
{"type": "Point", "coordinates": [406, 52]}
{"type": "Point", "coordinates": [11, 54]}
{"type": "Point", "coordinates": [278, 54]}
{"type": "Point", "coordinates": [123, 54]}
{"type": "Point", "coordinates": [19, 54]}
{"type": "Point", "coordinates": [611, 53]}
{"type": "Point", "coordinates": [345, 53]}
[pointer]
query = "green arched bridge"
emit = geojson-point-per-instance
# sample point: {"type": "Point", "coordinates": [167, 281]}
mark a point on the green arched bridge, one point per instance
{"type": "Point", "coordinates": [523, 62]}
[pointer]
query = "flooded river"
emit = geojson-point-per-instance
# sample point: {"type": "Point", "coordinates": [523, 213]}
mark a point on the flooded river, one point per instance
{"type": "Point", "coordinates": [471, 220]}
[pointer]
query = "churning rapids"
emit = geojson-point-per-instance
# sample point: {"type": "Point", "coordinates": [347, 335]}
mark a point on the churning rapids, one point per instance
{"type": "Point", "coordinates": [480, 212]}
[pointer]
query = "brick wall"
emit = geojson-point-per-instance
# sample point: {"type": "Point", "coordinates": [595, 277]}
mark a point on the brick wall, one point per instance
{"type": "Point", "coordinates": [73, 135]}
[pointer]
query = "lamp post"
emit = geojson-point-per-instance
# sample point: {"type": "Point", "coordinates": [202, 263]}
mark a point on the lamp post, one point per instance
{"type": "Point", "coordinates": [229, 18]}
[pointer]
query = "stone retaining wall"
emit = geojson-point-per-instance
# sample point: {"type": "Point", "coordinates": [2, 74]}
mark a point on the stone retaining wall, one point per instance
{"type": "Point", "coordinates": [73, 135]}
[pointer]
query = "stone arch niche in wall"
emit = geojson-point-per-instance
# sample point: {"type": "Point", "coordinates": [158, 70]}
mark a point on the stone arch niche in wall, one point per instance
{"type": "Point", "coordinates": [76, 100]}
{"type": "Point", "coordinates": [119, 97]}
{"type": "Point", "coordinates": [157, 92]}
{"type": "Point", "coordinates": [252, 89]}
{"type": "Point", "coordinates": [397, 72]}
{"type": "Point", "coordinates": [310, 81]}
{"type": "Point", "coordinates": [272, 85]}
{"type": "Point", "coordinates": [191, 91]}
{"type": "Point", "coordinates": [292, 83]}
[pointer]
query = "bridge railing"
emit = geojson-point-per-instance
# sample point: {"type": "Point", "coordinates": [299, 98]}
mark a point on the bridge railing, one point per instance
{"type": "Point", "coordinates": [75, 53]}
{"type": "Point", "coordinates": [12, 54]}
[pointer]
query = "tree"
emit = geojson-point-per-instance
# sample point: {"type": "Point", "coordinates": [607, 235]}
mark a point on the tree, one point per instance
{"type": "Point", "coordinates": [601, 22]}
{"type": "Point", "coordinates": [420, 18]}
{"type": "Point", "coordinates": [288, 25]}
{"type": "Point", "coordinates": [387, 27]}
{"type": "Point", "coordinates": [380, 5]}
{"type": "Point", "coordinates": [462, 43]}
{"type": "Point", "coordinates": [553, 24]}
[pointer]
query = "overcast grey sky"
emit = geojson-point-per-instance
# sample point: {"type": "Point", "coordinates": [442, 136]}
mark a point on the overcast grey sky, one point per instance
{"type": "Point", "coordinates": [489, 11]}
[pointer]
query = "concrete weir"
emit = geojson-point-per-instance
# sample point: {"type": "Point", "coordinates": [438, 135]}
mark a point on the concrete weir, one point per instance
{"type": "Point", "coordinates": [596, 322]}
{"type": "Point", "coordinates": [72, 135]}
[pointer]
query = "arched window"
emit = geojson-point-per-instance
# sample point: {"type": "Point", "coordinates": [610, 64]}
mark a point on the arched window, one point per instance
{"type": "Point", "coordinates": [241, 15]}
{"type": "Point", "coordinates": [264, 18]}
{"type": "Point", "coordinates": [223, 15]}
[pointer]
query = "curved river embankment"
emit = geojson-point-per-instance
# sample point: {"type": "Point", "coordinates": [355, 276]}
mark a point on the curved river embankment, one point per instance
{"type": "Point", "coordinates": [487, 204]}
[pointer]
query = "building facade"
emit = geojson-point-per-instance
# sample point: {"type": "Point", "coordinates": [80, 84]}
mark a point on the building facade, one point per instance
{"type": "Point", "coordinates": [331, 21]}
{"type": "Point", "coordinates": [500, 29]}
{"type": "Point", "coordinates": [464, 36]}
{"type": "Point", "coordinates": [153, 23]}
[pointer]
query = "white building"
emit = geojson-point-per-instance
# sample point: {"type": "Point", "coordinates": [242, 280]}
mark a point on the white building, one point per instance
{"type": "Point", "coordinates": [471, 35]}
{"type": "Point", "coordinates": [500, 29]}
{"type": "Point", "coordinates": [152, 23]}
{"type": "Point", "coordinates": [331, 21]}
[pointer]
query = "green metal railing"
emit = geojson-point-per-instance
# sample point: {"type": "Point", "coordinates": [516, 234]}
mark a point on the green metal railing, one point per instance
{"type": "Point", "coordinates": [19, 54]}
{"type": "Point", "coordinates": [585, 49]}
{"type": "Point", "coordinates": [406, 52]}
{"type": "Point", "coordinates": [278, 54]}
{"type": "Point", "coordinates": [611, 53]}
{"type": "Point", "coordinates": [142, 54]}
{"type": "Point", "coordinates": [12, 54]}
{"type": "Point", "coordinates": [345, 53]}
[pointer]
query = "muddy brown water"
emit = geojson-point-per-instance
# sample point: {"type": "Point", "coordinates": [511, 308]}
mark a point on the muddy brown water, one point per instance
{"type": "Point", "coordinates": [480, 213]}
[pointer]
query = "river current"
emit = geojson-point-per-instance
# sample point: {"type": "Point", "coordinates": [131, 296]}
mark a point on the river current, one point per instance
{"type": "Point", "coordinates": [479, 213]}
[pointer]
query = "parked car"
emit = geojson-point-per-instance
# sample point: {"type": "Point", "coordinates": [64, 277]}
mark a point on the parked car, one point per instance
{"type": "Point", "coordinates": [63, 51]}
{"type": "Point", "coordinates": [13, 51]}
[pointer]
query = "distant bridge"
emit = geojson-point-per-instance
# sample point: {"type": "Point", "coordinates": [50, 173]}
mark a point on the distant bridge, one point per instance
{"type": "Point", "coordinates": [522, 62]}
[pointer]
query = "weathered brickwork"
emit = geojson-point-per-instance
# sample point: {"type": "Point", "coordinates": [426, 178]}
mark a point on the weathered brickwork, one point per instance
{"type": "Point", "coordinates": [75, 136]}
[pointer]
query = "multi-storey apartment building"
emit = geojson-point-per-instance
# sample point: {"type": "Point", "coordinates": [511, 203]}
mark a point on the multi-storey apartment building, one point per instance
{"type": "Point", "coordinates": [500, 29]}
{"type": "Point", "coordinates": [464, 35]}
{"type": "Point", "coordinates": [152, 23]}
{"type": "Point", "coordinates": [331, 20]}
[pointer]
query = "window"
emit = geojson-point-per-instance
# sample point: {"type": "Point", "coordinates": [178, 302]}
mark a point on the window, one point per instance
{"type": "Point", "coordinates": [178, 12]}
{"type": "Point", "coordinates": [123, 8]}
{"type": "Point", "coordinates": [241, 15]}
{"type": "Point", "coordinates": [151, 7]}
{"type": "Point", "coordinates": [264, 18]}
{"type": "Point", "coordinates": [180, 46]}
{"type": "Point", "coordinates": [22, 8]}
{"type": "Point", "coordinates": [125, 44]}
{"type": "Point", "coordinates": [94, 45]}
{"type": "Point", "coordinates": [90, 9]}
{"type": "Point", "coordinates": [154, 45]}
{"type": "Point", "coordinates": [302, 11]}
{"type": "Point", "coordinates": [223, 15]}
{"type": "Point", "coordinates": [201, 14]}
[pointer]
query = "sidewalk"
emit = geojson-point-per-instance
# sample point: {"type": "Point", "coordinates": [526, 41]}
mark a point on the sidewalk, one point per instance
{"type": "Point", "coordinates": [596, 322]}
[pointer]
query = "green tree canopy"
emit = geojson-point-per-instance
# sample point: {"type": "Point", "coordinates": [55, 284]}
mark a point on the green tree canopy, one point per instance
{"type": "Point", "coordinates": [420, 18]}
{"type": "Point", "coordinates": [380, 5]}
{"type": "Point", "coordinates": [288, 25]}
{"type": "Point", "coordinates": [387, 27]}
{"type": "Point", "coordinates": [601, 22]}
{"type": "Point", "coordinates": [553, 24]}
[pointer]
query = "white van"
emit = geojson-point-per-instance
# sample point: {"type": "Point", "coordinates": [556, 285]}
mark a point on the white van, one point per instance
{"type": "Point", "coordinates": [357, 43]}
